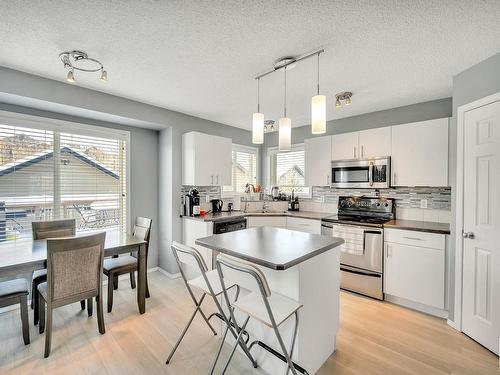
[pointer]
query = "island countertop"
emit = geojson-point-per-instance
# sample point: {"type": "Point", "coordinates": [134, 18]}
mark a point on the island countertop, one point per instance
{"type": "Point", "coordinates": [274, 248]}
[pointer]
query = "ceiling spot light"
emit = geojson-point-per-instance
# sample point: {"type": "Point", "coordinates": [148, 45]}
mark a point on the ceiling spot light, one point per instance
{"type": "Point", "coordinates": [70, 77]}
{"type": "Point", "coordinates": [344, 96]}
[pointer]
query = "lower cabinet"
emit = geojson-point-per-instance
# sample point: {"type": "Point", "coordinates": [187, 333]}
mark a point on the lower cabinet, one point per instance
{"type": "Point", "coordinates": [266, 221]}
{"type": "Point", "coordinates": [414, 267]}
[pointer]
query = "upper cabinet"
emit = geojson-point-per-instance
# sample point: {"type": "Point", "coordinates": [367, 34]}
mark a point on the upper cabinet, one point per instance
{"type": "Point", "coordinates": [364, 144]}
{"type": "Point", "coordinates": [345, 146]}
{"type": "Point", "coordinates": [317, 161]}
{"type": "Point", "coordinates": [206, 159]}
{"type": "Point", "coordinates": [420, 153]}
{"type": "Point", "coordinates": [375, 142]}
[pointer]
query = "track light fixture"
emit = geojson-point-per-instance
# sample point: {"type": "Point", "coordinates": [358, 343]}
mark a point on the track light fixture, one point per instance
{"type": "Point", "coordinates": [79, 60]}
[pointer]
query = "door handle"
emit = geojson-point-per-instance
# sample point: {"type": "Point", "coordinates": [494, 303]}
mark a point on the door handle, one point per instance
{"type": "Point", "coordinates": [469, 235]}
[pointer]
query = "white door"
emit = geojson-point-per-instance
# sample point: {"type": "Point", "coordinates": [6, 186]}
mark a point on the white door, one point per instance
{"type": "Point", "coordinates": [375, 142]}
{"type": "Point", "coordinates": [481, 249]}
{"type": "Point", "coordinates": [318, 161]}
{"type": "Point", "coordinates": [345, 146]}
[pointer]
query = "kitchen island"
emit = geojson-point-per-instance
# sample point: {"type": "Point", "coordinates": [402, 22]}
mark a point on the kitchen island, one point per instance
{"type": "Point", "coordinates": [301, 266]}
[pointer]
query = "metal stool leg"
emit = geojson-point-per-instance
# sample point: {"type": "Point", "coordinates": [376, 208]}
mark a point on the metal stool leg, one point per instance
{"type": "Point", "coordinates": [294, 336]}
{"type": "Point", "coordinates": [283, 348]}
{"type": "Point", "coordinates": [198, 308]}
{"type": "Point", "coordinates": [238, 340]}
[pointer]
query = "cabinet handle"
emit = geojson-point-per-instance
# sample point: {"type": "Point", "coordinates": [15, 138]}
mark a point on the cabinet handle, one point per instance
{"type": "Point", "coordinates": [217, 183]}
{"type": "Point", "coordinates": [413, 238]}
{"type": "Point", "coordinates": [394, 177]}
{"type": "Point", "coordinates": [387, 255]}
{"type": "Point", "coordinates": [212, 180]}
{"type": "Point", "coordinates": [354, 152]}
{"type": "Point", "coordinates": [362, 151]}
{"type": "Point", "coordinates": [327, 179]}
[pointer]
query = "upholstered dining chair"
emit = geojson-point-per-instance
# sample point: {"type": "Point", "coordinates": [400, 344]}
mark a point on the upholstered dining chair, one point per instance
{"type": "Point", "coordinates": [42, 230]}
{"type": "Point", "coordinates": [74, 273]}
{"type": "Point", "coordinates": [13, 292]}
{"type": "Point", "coordinates": [127, 264]}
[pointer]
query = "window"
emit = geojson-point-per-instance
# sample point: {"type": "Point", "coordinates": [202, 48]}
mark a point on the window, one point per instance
{"type": "Point", "coordinates": [55, 173]}
{"type": "Point", "coordinates": [244, 169]}
{"type": "Point", "coordinates": [287, 170]}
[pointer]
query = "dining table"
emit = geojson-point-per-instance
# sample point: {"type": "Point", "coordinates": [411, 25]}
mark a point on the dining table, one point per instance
{"type": "Point", "coordinates": [27, 255]}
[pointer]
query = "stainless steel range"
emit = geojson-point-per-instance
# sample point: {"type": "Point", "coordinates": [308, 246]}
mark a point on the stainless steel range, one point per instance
{"type": "Point", "coordinates": [359, 222]}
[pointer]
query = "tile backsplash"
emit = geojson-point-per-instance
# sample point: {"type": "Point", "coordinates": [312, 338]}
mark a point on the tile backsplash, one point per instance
{"type": "Point", "coordinates": [438, 198]}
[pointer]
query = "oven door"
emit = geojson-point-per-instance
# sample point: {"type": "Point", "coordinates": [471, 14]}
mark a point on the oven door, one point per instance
{"type": "Point", "coordinates": [373, 173]}
{"type": "Point", "coordinates": [363, 247]}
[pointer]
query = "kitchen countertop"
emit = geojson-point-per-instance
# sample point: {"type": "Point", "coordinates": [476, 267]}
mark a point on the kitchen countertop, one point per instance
{"type": "Point", "coordinates": [419, 226]}
{"type": "Point", "coordinates": [223, 216]}
{"type": "Point", "coordinates": [258, 245]}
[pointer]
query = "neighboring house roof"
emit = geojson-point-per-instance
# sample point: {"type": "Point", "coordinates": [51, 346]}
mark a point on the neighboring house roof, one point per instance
{"type": "Point", "coordinates": [47, 154]}
{"type": "Point", "coordinates": [295, 169]}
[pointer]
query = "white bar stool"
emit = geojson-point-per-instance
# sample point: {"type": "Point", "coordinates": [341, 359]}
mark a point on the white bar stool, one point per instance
{"type": "Point", "coordinates": [209, 283]}
{"type": "Point", "coordinates": [269, 308]}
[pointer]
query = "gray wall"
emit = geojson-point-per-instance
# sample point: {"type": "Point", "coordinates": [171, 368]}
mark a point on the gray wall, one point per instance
{"type": "Point", "coordinates": [480, 80]}
{"type": "Point", "coordinates": [156, 167]}
{"type": "Point", "coordinates": [143, 168]}
{"type": "Point", "coordinates": [416, 112]}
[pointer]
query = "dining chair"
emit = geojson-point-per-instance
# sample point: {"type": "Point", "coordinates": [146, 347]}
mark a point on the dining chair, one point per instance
{"type": "Point", "coordinates": [127, 264]}
{"type": "Point", "coordinates": [42, 230]}
{"type": "Point", "coordinates": [74, 273]}
{"type": "Point", "coordinates": [13, 292]}
{"type": "Point", "coordinates": [270, 308]}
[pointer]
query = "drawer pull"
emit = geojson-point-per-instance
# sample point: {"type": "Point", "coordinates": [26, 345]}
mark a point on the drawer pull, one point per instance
{"type": "Point", "coordinates": [413, 238]}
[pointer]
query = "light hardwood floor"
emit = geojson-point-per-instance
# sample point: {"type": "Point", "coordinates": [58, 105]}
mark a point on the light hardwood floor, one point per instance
{"type": "Point", "coordinates": [374, 338]}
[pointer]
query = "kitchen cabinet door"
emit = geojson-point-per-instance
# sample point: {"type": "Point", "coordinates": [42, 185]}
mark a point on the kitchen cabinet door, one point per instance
{"type": "Point", "coordinates": [345, 146]}
{"type": "Point", "coordinates": [266, 221]}
{"type": "Point", "coordinates": [420, 153]}
{"type": "Point", "coordinates": [415, 273]}
{"type": "Point", "coordinates": [222, 160]}
{"type": "Point", "coordinates": [375, 142]}
{"type": "Point", "coordinates": [318, 157]}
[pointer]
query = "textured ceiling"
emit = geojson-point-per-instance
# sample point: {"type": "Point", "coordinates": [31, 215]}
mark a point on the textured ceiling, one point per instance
{"type": "Point", "coordinates": [200, 57]}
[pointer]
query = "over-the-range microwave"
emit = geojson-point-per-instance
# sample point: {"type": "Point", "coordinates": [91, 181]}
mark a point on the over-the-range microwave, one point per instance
{"type": "Point", "coordinates": [361, 173]}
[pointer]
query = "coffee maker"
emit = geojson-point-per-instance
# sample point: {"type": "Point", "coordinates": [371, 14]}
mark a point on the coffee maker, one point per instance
{"type": "Point", "coordinates": [192, 203]}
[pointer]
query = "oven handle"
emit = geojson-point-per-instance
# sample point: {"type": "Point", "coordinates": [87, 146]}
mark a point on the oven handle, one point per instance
{"type": "Point", "coordinates": [377, 275]}
{"type": "Point", "coordinates": [370, 173]}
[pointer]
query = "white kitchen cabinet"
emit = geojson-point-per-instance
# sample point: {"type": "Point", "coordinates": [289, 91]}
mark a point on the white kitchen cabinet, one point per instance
{"type": "Point", "coordinates": [304, 225]}
{"type": "Point", "coordinates": [345, 146]}
{"type": "Point", "coordinates": [318, 161]}
{"type": "Point", "coordinates": [266, 221]}
{"type": "Point", "coordinates": [206, 159]}
{"type": "Point", "coordinates": [414, 271]}
{"type": "Point", "coordinates": [375, 142]}
{"type": "Point", "coordinates": [193, 229]}
{"type": "Point", "coordinates": [420, 153]}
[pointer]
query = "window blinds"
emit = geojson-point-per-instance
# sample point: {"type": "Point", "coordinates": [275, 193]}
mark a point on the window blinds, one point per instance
{"type": "Point", "coordinates": [47, 175]}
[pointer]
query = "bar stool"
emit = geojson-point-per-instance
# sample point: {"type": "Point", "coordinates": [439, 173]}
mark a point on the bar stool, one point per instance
{"type": "Point", "coordinates": [209, 283]}
{"type": "Point", "coordinates": [269, 308]}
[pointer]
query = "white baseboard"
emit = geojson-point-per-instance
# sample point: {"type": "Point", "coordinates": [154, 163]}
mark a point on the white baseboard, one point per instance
{"type": "Point", "coordinates": [417, 306]}
{"type": "Point", "coordinates": [168, 274]}
{"type": "Point", "coordinates": [452, 324]}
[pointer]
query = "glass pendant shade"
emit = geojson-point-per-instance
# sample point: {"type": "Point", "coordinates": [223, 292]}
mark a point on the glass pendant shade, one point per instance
{"type": "Point", "coordinates": [70, 77]}
{"type": "Point", "coordinates": [285, 134]}
{"type": "Point", "coordinates": [318, 114]}
{"type": "Point", "coordinates": [258, 128]}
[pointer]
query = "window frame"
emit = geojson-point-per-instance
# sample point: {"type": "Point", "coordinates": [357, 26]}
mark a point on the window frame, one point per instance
{"type": "Point", "coordinates": [241, 148]}
{"type": "Point", "coordinates": [271, 151]}
{"type": "Point", "coordinates": [63, 126]}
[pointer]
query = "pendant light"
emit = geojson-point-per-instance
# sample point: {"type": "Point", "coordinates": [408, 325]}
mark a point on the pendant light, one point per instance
{"type": "Point", "coordinates": [258, 121]}
{"type": "Point", "coordinates": [318, 111]}
{"type": "Point", "coordinates": [285, 128]}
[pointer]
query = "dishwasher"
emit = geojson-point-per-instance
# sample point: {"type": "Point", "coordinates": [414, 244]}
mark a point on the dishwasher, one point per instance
{"type": "Point", "coordinates": [226, 226]}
